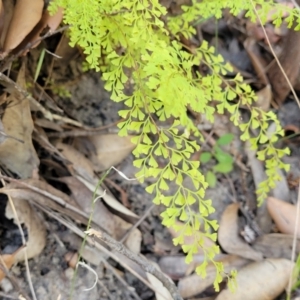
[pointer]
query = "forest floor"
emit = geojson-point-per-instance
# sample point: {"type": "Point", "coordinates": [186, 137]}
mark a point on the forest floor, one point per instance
{"type": "Point", "coordinates": [70, 137]}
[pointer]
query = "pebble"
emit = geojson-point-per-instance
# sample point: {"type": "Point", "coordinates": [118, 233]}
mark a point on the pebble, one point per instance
{"type": "Point", "coordinates": [69, 273]}
{"type": "Point", "coordinates": [55, 260]}
{"type": "Point", "coordinates": [6, 285]}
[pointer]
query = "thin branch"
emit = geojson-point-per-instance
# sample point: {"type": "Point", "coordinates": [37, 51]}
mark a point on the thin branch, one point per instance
{"type": "Point", "coordinates": [146, 266]}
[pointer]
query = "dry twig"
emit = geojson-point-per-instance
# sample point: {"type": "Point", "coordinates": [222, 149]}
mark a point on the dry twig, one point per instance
{"type": "Point", "coordinates": [146, 266]}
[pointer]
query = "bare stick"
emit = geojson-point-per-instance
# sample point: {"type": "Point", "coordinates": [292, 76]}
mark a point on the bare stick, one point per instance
{"type": "Point", "coordinates": [146, 266]}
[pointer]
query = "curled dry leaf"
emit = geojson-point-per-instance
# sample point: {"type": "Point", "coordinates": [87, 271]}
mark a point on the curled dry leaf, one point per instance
{"type": "Point", "coordinates": [47, 22]}
{"type": "Point", "coordinates": [284, 215]}
{"type": "Point", "coordinates": [194, 284]}
{"type": "Point", "coordinates": [27, 13]}
{"type": "Point", "coordinates": [229, 238]}
{"type": "Point", "coordinates": [32, 221]}
{"type": "Point", "coordinates": [19, 157]}
{"type": "Point", "coordinates": [260, 280]}
{"type": "Point", "coordinates": [109, 150]}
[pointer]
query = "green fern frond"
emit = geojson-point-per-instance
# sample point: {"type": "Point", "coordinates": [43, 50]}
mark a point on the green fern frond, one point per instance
{"type": "Point", "coordinates": [133, 36]}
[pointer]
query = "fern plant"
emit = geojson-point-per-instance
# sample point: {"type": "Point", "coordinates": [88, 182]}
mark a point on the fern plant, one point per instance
{"type": "Point", "coordinates": [137, 35]}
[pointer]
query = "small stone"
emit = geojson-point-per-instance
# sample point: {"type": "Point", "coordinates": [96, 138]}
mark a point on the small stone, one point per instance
{"type": "Point", "coordinates": [69, 273]}
{"type": "Point", "coordinates": [16, 270]}
{"type": "Point", "coordinates": [6, 285]}
{"type": "Point", "coordinates": [55, 260]}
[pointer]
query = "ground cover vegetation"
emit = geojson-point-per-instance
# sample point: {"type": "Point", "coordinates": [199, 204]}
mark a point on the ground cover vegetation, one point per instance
{"type": "Point", "coordinates": [137, 42]}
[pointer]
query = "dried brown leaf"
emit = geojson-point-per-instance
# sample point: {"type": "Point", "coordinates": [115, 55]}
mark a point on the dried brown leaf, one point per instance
{"type": "Point", "coordinates": [264, 98]}
{"type": "Point", "coordinates": [109, 200]}
{"type": "Point", "coordinates": [32, 221]}
{"type": "Point", "coordinates": [255, 56]}
{"type": "Point", "coordinates": [134, 239]}
{"type": "Point", "coordinates": [110, 150]}
{"type": "Point", "coordinates": [83, 197]}
{"type": "Point", "coordinates": [260, 280]}
{"type": "Point", "coordinates": [276, 245]}
{"type": "Point", "coordinates": [27, 13]}
{"type": "Point", "coordinates": [7, 261]}
{"type": "Point", "coordinates": [284, 215]}
{"type": "Point", "coordinates": [194, 284]}
{"type": "Point", "coordinates": [80, 164]}
{"type": "Point", "coordinates": [228, 235]}
{"type": "Point", "coordinates": [47, 196]}
{"type": "Point", "coordinates": [1, 17]}
{"type": "Point", "coordinates": [47, 22]}
{"type": "Point", "coordinates": [289, 61]}
{"type": "Point", "coordinates": [21, 158]}
{"type": "Point", "coordinates": [176, 267]}
{"type": "Point", "coordinates": [84, 168]}
{"type": "Point", "coordinates": [8, 9]}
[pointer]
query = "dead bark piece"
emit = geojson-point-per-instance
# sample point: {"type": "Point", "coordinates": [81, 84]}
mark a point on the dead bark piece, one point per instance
{"type": "Point", "coordinates": [290, 61]}
{"type": "Point", "coordinates": [27, 13]}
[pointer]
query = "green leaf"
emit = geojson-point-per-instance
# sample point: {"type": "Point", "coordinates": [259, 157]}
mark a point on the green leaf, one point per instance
{"type": "Point", "coordinates": [183, 216]}
{"type": "Point", "coordinates": [223, 167]}
{"type": "Point", "coordinates": [205, 157]}
{"type": "Point", "coordinates": [211, 179]}
{"type": "Point", "coordinates": [223, 157]}
{"type": "Point", "coordinates": [150, 188]}
{"type": "Point", "coordinates": [225, 139]}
